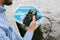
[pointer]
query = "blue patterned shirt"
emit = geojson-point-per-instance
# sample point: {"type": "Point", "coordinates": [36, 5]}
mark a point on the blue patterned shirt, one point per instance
{"type": "Point", "coordinates": [6, 30]}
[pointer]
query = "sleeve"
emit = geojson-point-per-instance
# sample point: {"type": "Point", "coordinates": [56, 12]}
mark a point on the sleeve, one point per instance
{"type": "Point", "coordinates": [3, 35]}
{"type": "Point", "coordinates": [28, 36]}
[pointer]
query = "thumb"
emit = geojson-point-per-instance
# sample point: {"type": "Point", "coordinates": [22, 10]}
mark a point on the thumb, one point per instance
{"type": "Point", "coordinates": [34, 18]}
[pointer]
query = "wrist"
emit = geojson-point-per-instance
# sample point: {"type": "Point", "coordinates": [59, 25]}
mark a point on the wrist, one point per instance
{"type": "Point", "coordinates": [31, 30]}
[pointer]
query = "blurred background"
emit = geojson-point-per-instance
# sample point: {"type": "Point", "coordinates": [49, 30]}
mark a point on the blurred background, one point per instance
{"type": "Point", "coordinates": [49, 8]}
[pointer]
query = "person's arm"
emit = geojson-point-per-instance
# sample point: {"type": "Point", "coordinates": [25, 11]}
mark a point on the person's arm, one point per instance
{"type": "Point", "coordinates": [29, 33]}
{"type": "Point", "coordinates": [30, 30]}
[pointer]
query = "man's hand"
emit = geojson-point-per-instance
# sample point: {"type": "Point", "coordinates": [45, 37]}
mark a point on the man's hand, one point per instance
{"type": "Point", "coordinates": [32, 25]}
